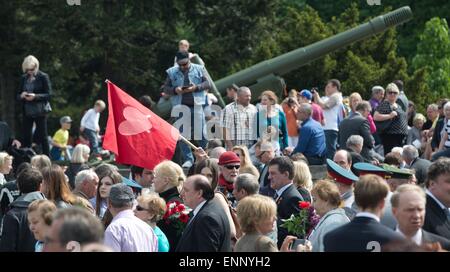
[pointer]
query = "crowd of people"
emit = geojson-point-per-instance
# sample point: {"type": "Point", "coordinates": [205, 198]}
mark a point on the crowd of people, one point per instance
{"type": "Point", "coordinates": [386, 188]}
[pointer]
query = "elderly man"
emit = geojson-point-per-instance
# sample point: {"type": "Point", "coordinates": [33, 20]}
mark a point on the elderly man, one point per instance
{"type": "Point", "coordinates": [432, 117]}
{"type": "Point", "coordinates": [187, 85]}
{"type": "Point", "coordinates": [264, 152]}
{"type": "Point", "coordinates": [208, 229]}
{"type": "Point", "coordinates": [437, 215]}
{"type": "Point", "coordinates": [86, 183]}
{"type": "Point", "coordinates": [245, 185]}
{"type": "Point", "coordinates": [408, 207]}
{"type": "Point", "coordinates": [229, 164]}
{"type": "Point", "coordinates": [127, 233]}
{"type": "Point", "coordinates": [73, 228]}
{"type": "Point", "coordinates": [311, 141]}
{"type": "Point", "coordinates": [410, 155]}
{"type": "Point", "coordinates": [239, 120]}
{"type": "Point", "coordinates": [377, 96]}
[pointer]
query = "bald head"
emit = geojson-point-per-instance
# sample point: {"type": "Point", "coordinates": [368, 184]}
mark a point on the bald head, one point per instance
{"type": "Point", "coordinates": [196, 189]}
{"type": "Point", "coordinates": [343, 158]}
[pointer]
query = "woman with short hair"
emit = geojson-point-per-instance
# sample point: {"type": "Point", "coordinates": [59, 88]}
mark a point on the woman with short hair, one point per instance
{"type": "Point", "coordinates": [78, 162]}
{"type": "Point", "coordinates": [40, 162]}
{"type": "Point", "coordinates": [327, 200]}
{"type": "Point", "coordinates": [257, 215]}
{"type": "Point", "coordinates": [34, 92]}
{"type": "Point", "coordinates": [151, 209]}
{"type": "Point", "coordinates": [168, 181]}
{"type": "Point", "coordinates": [397, 126]}
{"type": "Point", "coordinates": [40, 217]}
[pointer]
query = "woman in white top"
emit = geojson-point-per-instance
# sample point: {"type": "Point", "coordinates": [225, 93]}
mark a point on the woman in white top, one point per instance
{"type": "Point", "coordinates": [5, 166]}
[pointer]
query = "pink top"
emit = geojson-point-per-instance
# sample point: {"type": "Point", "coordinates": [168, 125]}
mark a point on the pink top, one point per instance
{"type": "Point", "coordinates": [373, 128]}
{"type": "Point", "coordinates": [317, 113]}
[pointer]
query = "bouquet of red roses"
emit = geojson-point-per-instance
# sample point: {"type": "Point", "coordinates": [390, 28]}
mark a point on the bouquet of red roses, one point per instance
{"type": "Point", "coordinates": [177, 214]}
{"type": "Point", "coordinates": [304, 222]}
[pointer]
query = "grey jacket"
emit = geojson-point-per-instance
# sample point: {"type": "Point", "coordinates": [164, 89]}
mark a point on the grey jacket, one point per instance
{"type": "Point", "coordinates": [331, 220]}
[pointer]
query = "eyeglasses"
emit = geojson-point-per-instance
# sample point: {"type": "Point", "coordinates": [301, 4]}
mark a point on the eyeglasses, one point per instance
{"type": "Point", "coordinates": [393, 93]}
{"type": "Point", "coordinates": [260, 154]}
{"type": "Point", "coordinates": [139, 208]}
{"type": "Point", "coordinates": [230, 167]}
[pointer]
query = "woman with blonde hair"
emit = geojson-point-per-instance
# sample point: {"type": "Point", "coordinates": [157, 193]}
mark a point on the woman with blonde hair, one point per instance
{"type": "Point", "coordinates": [35, 90]}
{"type": "Point", "coordinates": [415, 133]}
{"type": "Point", "coordinates": [5, 166]}
{"type": "Point", "coordinates": [393, 117]}
{"type": "Point", "coordinates": [40, 217]}
{"type": "Point", "coordinates": [151, 209]}
{"type": "Point", "coordinates": [257, 215]}
{"type": "Point", "coordinates": [78, 162]}
{"type": "Point", "coordinates": [326, 203]}
{"type": "Point", "coordinates": [246, 163]}
{"type": "Point", "coordinates": [168, 181]}
{"type": "Point", "coordinates": [40, 162]}
{"type": "Point", "coordinates": [303, 179]}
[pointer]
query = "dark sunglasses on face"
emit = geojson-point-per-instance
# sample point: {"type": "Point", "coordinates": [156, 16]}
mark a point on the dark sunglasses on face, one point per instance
{"type": "Point", "coordinates": [232, 166]}
{"type": "Point", "coordinates": [392, 93]}
{"type": "Point", "coordinates": [139, 208]}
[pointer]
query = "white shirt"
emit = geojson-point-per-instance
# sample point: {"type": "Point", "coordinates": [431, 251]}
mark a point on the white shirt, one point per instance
{"type": "Point", "coordinates": [282, 189]}
{"type": "Point", "coordinates": [199, 206]}
{"type": "Point", "coordinates": [367, 214]}
{"type": "Point", "coordinates": [417, 238]}
{"type": "Point", "coordinates": [90, 120]}
{"type": "Point", "coordinates": [331, 115]}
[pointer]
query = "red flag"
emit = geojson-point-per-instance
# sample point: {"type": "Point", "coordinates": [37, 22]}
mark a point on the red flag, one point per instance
{"type": "Point", "coordinates": [135, 134]}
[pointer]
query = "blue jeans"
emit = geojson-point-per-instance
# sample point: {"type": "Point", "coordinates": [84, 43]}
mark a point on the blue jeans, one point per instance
{"type": "Point", "coordinates": [91, 135]}
{"type": "Point", "coordinates": [331, 142]}
{"type": "Point", "coordinates": [196, 117]}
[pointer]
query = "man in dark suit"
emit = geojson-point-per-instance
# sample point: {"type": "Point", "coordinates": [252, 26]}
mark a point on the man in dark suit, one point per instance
{"type": "Point", "coordinates": [411, 156]}
{"type": "Point", "coordinates": [281, 173]}
{"type": "Point", "coordinates": [402, 100]}
{"type": "Point", "coordinates": [208, 229]}
{"type": "Point", "coordinates": [357, 124]}
{"type": "Point", "coordinates": [264, 152]}
{"type": "Point", "coordinates": [437, 215]}
{"type": "Point", "coordinates": [364, 232]}
{"type": "Point", "coordinates": [408, 207]}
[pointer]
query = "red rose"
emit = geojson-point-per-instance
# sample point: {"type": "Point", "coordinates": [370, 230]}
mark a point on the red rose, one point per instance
{"type": "Point", "coordinates": [304, 204]}
{"type": "Point", "coordinates": [181, 207]}
{"type": "Point", "coordinates": [184, 218]}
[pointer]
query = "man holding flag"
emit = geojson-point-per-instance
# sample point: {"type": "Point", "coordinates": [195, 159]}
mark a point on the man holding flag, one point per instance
{"type": "Point", "coordinates": [186, 84]}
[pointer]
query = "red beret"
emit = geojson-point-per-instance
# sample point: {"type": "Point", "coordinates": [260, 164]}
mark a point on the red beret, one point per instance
{"type": "Point", "coordinates": [229, 157]}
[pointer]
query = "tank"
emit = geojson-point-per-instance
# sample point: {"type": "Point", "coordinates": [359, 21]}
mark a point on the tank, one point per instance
{"type": "Point", "coordinates": [267, 74]}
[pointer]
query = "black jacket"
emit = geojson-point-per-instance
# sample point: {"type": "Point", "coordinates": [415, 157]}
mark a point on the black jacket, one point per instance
{"type": "Point", "coordinates": [436, 221]}
{"type": "Point", "coordinates": [287, 204]}
{"type": "Point", "coordinates": [169, 230]}
{"type": "Point", "coordinates": [421, 168]}
{"type": "Point", "coordinates": [429, 237]}
{"type": "Point", "coordinates": [42, 89]}
{"type": "Point", "coordinates": [16, 235]}
{"type": "Point", "coordinates": [208, 231]}
{"type": "Point", "coordinates": [6, 137]}
{"type": "Point", "coordinates": [356, 124]}
{"type": "Point", "coordinates": [436, 140]}
{"type": "Point", "coordinates": [362, 234]}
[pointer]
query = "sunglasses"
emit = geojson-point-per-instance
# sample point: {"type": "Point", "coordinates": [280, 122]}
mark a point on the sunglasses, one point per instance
{"type": "Point", "coordinates": [232, 166]}
{"type": "Point", "coordinates": [260, 154]}
{"type": "Point", "coordinates": [139, 208]}
{"type": "Point", "coordinates": [392, 93]}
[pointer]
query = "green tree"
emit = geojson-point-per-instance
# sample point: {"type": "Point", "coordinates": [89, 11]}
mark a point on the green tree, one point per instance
{"type": "Point", "coordinates": [433, 55]}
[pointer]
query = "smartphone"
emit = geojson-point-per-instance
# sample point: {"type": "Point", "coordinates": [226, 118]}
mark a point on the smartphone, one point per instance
{"type": "Point", "coordinates": [297, 242]}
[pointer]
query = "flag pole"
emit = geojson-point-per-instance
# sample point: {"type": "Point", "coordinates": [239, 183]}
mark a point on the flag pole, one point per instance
{"type": "Point", "coordinates": [188, 143]}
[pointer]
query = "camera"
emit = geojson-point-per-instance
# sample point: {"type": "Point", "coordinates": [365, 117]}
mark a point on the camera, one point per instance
{"type": "Point", "coordinates": [314, 89]}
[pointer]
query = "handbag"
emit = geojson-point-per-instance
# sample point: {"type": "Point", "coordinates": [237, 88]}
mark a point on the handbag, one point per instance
{"type": "Point", "coordinates": [38, 108]}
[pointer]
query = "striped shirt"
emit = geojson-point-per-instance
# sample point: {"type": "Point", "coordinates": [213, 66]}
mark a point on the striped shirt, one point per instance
{"type": "Point", "coordinates": [240, 123]}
